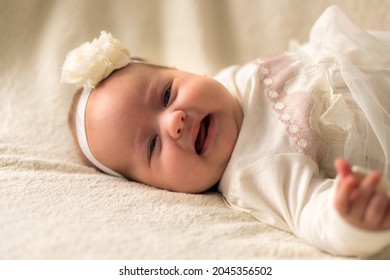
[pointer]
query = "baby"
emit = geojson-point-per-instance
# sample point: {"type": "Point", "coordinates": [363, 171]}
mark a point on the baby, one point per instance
{"type": "Point", "coordinates": [270, 134]}
{"type": "Point", "coordinates": [177, 135]}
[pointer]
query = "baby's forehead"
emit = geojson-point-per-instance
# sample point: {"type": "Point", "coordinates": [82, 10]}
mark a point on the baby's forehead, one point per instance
{"type": "Point", "coordinates": [135, 71]}
{"type": "Point", "coordinates": [144, 65]}
{"type": "Point", "coordinates": [127, 83]}
{"type": "Point", "coordinates": [135, 76]}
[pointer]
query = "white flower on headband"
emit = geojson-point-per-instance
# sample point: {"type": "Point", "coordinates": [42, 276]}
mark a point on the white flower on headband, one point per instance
{"type": "Point", "coordinates": [94, 61]}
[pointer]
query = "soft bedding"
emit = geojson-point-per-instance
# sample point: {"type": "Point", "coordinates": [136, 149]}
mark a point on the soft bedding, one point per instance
{"type": "Point", "coordinates": [52, 206]}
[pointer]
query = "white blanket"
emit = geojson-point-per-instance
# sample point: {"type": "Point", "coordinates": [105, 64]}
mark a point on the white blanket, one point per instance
{"type": "Point", "coordinates": [54, 207]}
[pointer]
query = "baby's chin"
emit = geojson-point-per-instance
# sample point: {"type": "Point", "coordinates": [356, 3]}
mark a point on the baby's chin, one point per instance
{"type": "Point", "coordinates": [189, 187]}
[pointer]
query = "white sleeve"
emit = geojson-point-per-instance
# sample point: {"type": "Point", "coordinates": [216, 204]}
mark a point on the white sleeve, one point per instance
{"type": "Point", "coordinates": [286, 190]}
{"type": "Point", "coordinates": [321, 225]}
{"type": "Point", "coordinates": [336, 234]}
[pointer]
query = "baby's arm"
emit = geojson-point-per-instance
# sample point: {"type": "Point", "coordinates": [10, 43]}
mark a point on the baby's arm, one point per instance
{"type": "Point", "coordinates": [361, 202]}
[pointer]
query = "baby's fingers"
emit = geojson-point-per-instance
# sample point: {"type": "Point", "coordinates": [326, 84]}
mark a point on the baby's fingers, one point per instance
{"type": "Point", "coordinates": [377, 214]}
{"type": "Point", "coordinates": [361, 196]}
{"type": "Point", "coordinates": [343, 168]}
{"type": "Point", "coordinates": [344, 189]}
{"type": "Point", "coordinates": [371, 180]}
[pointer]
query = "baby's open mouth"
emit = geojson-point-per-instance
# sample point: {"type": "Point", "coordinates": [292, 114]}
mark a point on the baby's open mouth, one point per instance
{"type": "Point", "coordinates": [202, 134]}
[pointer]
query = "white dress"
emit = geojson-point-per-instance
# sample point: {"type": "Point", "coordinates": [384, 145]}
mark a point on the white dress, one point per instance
{"type": "Point", "coordinates": [302, 109]}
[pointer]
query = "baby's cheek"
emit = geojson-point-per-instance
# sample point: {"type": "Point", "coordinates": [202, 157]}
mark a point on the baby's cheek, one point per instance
{"type": "Point", "coordinates": [182, 165]}
{"type": "Point", "coordinates": [183, 170]}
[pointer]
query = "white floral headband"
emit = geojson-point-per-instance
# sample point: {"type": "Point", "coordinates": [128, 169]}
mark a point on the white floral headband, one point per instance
{"type": "Point", "coordinates": [86, 66]}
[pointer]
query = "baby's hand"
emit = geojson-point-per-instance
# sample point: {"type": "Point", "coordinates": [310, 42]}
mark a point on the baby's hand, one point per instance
{"type": "Point", "coordinates": [361, 202]}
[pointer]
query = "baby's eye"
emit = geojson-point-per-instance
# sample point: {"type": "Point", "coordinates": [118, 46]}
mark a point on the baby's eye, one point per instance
{"type": "Point", "coordinates": [167, 96]}
{"type": "Point", "coordinates": [152, 146]}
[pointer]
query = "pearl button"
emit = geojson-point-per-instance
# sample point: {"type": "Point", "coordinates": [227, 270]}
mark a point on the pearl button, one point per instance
{"type": "Point", "coordinates": [293, 129]}
{"type": "Point", "coordinates": [279, 106]}
{"type": "Point", "coordinates": [286, 116]}
{"type": "Point", "coordinates": [272, 94]}
{"type": "Point", "coordinates": [268, 82]}
{"type": "Point", "coordinates": [302, 143]}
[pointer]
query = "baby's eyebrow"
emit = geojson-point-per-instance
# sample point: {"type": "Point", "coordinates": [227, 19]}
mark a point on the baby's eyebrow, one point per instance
{"type": "Point", "coordinates": [150, 90]}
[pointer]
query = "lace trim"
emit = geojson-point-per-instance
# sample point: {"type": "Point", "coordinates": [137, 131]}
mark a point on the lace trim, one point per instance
{"type": "Point", "coordinates": [293, 106]}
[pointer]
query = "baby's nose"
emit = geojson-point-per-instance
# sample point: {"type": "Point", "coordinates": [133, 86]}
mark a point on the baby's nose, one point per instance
{"type": "Point", "coordinates": [176, 124]}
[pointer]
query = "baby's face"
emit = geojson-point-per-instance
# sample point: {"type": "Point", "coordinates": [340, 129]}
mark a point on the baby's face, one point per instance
{"type": "Point", "coordinates": [163, 127]}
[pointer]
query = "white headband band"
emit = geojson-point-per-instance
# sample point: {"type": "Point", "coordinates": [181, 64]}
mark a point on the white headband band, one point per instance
{"type": "Point", "coordinates": [86, 66]}
{"type": "Point", "coordinates": [82, 135]}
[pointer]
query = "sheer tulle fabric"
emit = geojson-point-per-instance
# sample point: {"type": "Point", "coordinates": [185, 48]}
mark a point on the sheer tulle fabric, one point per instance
{"type": "Point", "coordinates": [363, 60]}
